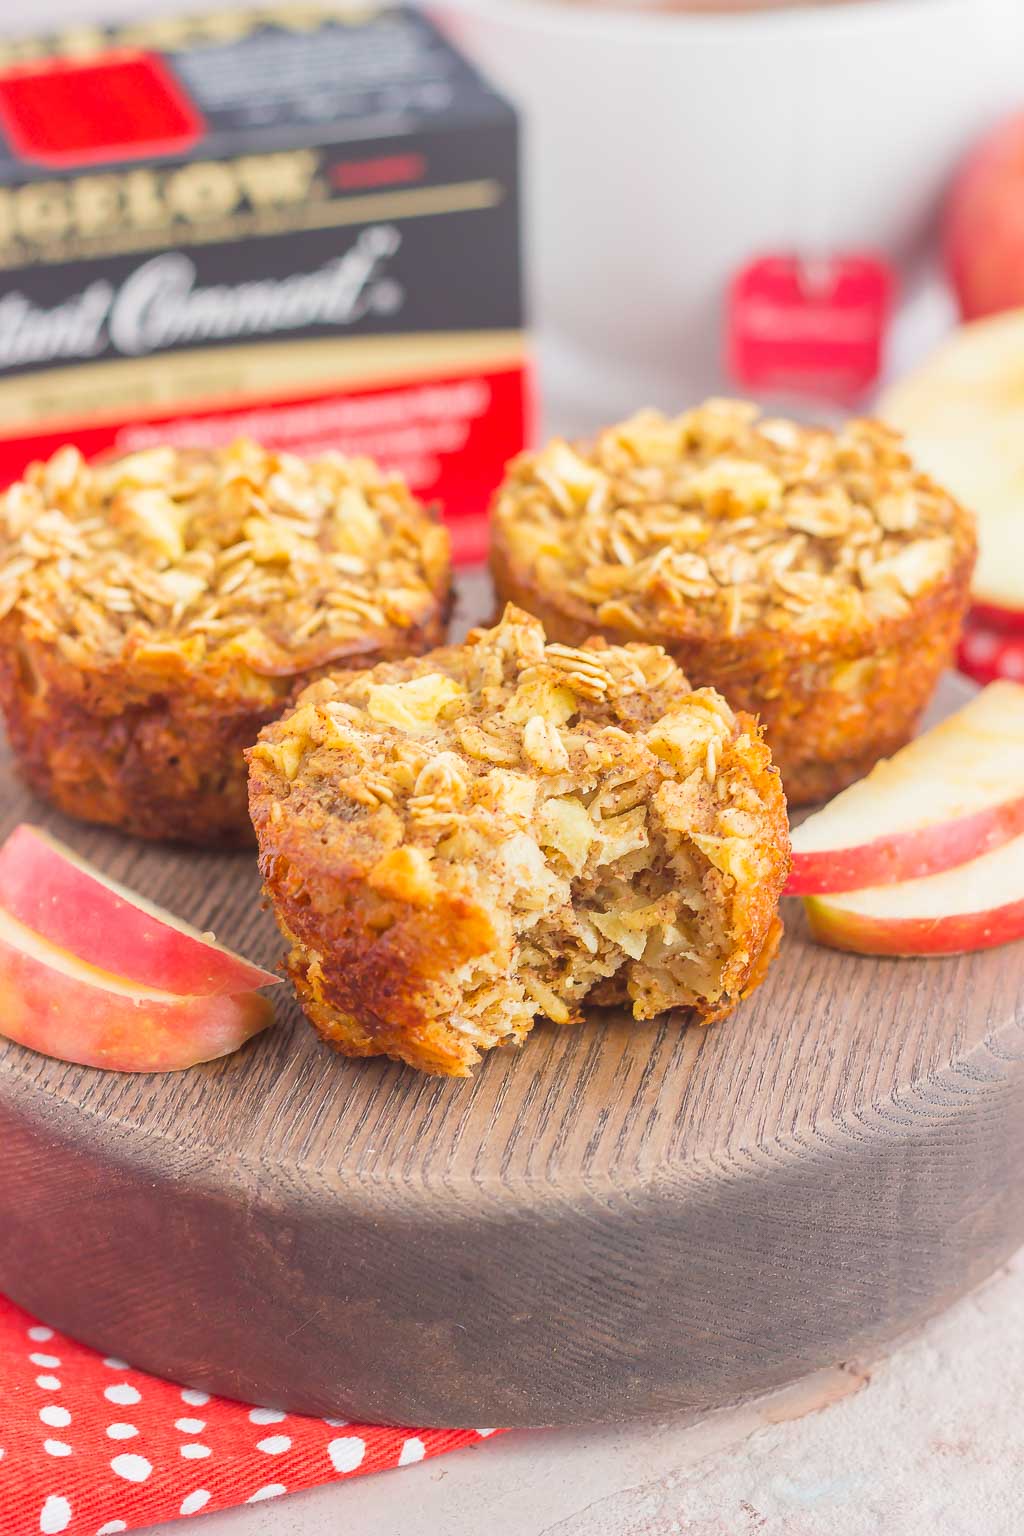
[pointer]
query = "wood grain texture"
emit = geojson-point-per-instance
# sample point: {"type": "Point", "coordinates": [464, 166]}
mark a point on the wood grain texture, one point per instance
{"type": "Point", "coordinates": [619, 1219]}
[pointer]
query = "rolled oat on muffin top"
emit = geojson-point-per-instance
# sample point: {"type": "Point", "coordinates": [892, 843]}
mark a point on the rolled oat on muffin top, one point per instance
{"type": "Point", "coordinates": [158, 609]}
{"type": "Point", "coordinates": [458, 843]}
{"type": "Point", "coordinates": [816, 578]}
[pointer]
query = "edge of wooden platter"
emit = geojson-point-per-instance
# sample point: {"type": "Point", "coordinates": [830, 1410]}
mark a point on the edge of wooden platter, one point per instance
{"type": "Point", "coordinates": [618, 1220]}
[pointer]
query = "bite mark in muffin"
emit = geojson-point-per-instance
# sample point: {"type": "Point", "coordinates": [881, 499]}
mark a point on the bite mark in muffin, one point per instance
{"type": "Point", "coordinates": [817, 579]}
{"type": "Point", "coordinates": [457, 844]}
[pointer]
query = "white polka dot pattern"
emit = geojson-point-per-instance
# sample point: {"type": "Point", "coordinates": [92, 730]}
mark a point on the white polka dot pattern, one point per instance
{"type": "Point", "coordinates": [134, 1469]}
{"type": "Point", "coordinates": [271, 1491]}
{"type": "Point", "coordinates": [193, 1451]}
{"type": "Point", "coordinates": [55, 1515]}
{"type": "Point", "coordinates": [93, 1447]}
{"type": "Point", "coordinates": [347, 1453]}
{"type": "Point", "coordinates": [274, 1445]}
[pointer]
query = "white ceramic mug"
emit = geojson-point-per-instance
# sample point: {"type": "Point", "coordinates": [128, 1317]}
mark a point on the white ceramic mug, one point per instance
{"type": "Point", "coordinates": [665, 150]}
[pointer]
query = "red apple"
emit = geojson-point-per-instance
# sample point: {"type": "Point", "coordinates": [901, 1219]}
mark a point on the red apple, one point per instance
{"type": "Point", "coordinates": [57, 1004]}
{"type": "Point", "coordinates": [962, 413]}
{"type": "Point", "coordinates": [975, 906]}
{"type": "Point", "coordinates": [50, 889]}
{"type": "Point", "coordinates": [985, 224]}
{"type": "Point", "coordinates": [949, 796]}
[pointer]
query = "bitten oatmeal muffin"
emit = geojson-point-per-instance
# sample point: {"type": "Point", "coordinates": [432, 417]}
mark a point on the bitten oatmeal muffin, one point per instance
{"type": "Point", "coordinates": [157, 610]}
{"type": "Point", "coordinates": [458, 843]}
{"type": "Point", "coordinates": [817, 579]}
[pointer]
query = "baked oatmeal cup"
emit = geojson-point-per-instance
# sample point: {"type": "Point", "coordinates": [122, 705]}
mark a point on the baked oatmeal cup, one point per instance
{"type": "Point", "coordinates": [816, 579]}
{"type": "Point", "coordinates": [157, 610]}
{"type": "Point", "coordinates": [456, 844]}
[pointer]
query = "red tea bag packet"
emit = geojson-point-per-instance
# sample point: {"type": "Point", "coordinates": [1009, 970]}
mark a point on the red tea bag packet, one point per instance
{"type": "Point", "coordinates": [809, 327]}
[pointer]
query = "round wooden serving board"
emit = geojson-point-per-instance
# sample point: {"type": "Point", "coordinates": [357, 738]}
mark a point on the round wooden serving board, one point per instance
{"type": "Point", "coordinates": [619, 1219]}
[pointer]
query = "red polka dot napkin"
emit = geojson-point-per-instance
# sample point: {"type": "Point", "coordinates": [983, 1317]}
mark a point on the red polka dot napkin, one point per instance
{"type": "Point", "coordinates": [89, 1447]}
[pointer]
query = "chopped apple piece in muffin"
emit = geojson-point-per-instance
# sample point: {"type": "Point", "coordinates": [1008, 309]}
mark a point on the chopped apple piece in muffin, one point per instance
{"type": "Point", "coordinates": [459, 843]}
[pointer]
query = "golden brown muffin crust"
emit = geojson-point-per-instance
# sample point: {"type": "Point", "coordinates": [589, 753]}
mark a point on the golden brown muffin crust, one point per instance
{"type": "Point", "coordinates": [158, 609]}
{"type": "Point", "coordinates": [457, 843]}
{"type": "Point", "coordinates": [815, 578]}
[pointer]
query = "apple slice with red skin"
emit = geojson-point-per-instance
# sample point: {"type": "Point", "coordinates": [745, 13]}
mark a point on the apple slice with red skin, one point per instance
{"type": "Point", "coordinates": [53, 1002]}
{"type": "Point", "coordinates": [962, 412]}
{"type": "Point", "coordinates": [947, 797]}
{"type": "Point", "coordinates": [50, 889]}
{"type": "Point", "coordinates": [975, 906]}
